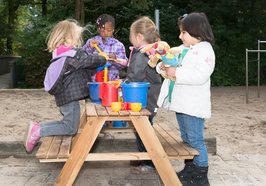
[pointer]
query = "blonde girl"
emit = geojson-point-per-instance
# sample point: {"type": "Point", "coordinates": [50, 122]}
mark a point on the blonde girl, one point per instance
{"type": "Point", "coordinates": [142, 32]}
{"type": "Point", "coordinates": [66, 79]}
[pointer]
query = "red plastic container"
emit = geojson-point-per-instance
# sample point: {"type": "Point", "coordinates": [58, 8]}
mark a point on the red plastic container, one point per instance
{"type": "Point", "coordinates": [108, 93]}
{"type": "Point", "coordinates": [99, 76]}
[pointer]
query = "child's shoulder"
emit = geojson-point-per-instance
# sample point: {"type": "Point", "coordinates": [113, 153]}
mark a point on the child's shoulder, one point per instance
{"type": "Point", "coordinates": [114, 41]}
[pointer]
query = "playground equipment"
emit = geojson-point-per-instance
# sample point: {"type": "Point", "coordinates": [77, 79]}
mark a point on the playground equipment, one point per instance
{"type": "Point", "coordinates": [258, 60]}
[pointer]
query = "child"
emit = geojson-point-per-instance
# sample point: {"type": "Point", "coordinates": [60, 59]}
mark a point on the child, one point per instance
{"type": "Point", "coordinates": [142, 32]}
{"type": "Point", "coordinates": [66, 80]}
{"type": "Point", "coordinates": [190, 97]}
{"type": "Point", "coordinates": [109, 45]}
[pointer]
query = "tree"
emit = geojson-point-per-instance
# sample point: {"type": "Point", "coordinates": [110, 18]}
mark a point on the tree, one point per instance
{"type": "Point", "coordinates": [79, 11]}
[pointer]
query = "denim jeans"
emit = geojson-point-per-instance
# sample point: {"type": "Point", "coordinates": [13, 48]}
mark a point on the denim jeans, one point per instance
{"type": "Point", "coordinates": [69, 123]}
{"type": "Point", "coordinates": [192, 133]}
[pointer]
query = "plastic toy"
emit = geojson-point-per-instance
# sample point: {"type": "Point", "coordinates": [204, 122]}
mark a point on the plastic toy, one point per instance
{"type": "Point", "coordinates": [162, 51]}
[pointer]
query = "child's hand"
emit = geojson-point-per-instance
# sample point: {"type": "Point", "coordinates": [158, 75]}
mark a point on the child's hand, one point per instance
{"type": "Point", "coordinates": [94, 42]}
{"type": "Point", "coordinates": [170, 71]}
{"type": "Point", "coordinates": [162, 66]}
{"type": "Point", "coordinates": [112, 56]}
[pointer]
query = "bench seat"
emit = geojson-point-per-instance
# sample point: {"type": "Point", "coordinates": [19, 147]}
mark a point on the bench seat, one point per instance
{"type": "Point", "coordinates": [58, 148]}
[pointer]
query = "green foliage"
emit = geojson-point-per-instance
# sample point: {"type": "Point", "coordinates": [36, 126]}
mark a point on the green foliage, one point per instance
{"type": "Point", "coordinates": [36, 58]}
{"type": "Point", "coordinates": [237, 25]}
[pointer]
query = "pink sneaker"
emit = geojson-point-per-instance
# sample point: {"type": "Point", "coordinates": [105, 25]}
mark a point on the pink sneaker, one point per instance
{"type": "Point", "coordinates": [32, 136]}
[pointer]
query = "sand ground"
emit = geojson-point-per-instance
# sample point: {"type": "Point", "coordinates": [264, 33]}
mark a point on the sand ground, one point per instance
{"type": "Point", "coordinates": [240, 130]}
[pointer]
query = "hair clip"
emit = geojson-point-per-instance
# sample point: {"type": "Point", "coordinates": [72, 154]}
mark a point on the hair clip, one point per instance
{"type": "Point", "coordinates": [183, 16]}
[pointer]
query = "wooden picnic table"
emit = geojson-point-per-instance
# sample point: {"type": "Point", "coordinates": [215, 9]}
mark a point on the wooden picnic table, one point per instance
{"type": "Point", "coordinates": [92, 124]}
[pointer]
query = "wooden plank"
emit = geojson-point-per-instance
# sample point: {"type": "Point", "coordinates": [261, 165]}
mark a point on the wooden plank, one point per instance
{"type": "Point", "coordinates": [83, 117]}
{"type": "Point", "coordinates": [110, 112]}
{"type": "Point", "coordinates": [113, 156]}
{"type": "Point", "coordinates": [80, 151]}
{"type": "Point", "coordinates": [83, 120]}
{"type": "Point", "coordinates": [44, 148]}
{"type": "Point", "coordinates": [167, 147]}
{"type": "Point", "coordinates": [133, 113]}
{"type": "Point", "coordinates": [145, 112]}
{"type": "Point", "coordinates": [124, 113]}
{"type": "Point", "coordinates": [191, 150]}
{"type": "Point", "coordinates": [90, 109]}
{"type": "Point", "coordinates": [119, 118]}
{"type": "Point", "coordinates": [173, 134]}
{"type": "Point", "coordinates": [65, 147]}
{"type": "Point", "coordinates": [55, 147]}
{"type": "Point", "coordinates": [101, 111]}
{"type": "Point", "coordinates": [116, 129]}
{"type": "Point", "coordinates": [155, 150]}
{"type": "Point", "coordinates": [175, 145]}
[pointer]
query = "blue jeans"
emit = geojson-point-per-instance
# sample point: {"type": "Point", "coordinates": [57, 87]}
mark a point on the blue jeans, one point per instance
{"type": "Point", "coordinates": [69, 123]}
{"type": "Point", "coordinates": [192, 133]}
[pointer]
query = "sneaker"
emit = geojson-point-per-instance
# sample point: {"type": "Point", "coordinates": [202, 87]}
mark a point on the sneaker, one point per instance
{"type": "Point", "coordinates": [142, 169]}
{"type": "Point", "coordinates": [32, 136]}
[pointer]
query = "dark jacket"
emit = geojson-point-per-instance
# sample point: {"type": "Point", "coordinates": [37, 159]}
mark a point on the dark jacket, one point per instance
{"type": "Point", "coordinates": [139, 71]}
{"type": "Point", "coordinates": [67, 76]}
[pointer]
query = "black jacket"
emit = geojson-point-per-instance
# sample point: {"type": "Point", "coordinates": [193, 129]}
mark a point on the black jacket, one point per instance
{"type": "Point", "coordinates": [139, 71]}
{"type": "Point", "coordinates": [67, 76]}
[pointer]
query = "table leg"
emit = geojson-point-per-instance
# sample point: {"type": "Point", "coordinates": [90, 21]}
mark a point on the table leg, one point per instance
{"type": "Point", "coordinates": [155, 150]}
{"type": "Point", "coordinates": [80, 151]}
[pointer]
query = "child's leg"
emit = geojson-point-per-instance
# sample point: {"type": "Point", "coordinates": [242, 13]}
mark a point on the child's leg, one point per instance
{"type": "Point", "coordinates": [192, 130]}
{"type": "Point", "coordinates": [69, 123]}
{"type": "Point", "coordinates": [195, 173]}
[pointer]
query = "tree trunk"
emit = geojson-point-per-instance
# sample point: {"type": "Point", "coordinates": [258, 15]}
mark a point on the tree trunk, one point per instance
{"type": "Point", "coordinates": [9, 39]}
{"type": "Point", "coordinates": [79, 11]}
{"type": "Point", "coordinates": [44, 8]}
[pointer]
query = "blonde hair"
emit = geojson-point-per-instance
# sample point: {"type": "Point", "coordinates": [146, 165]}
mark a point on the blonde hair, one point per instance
{"type": "Point", "coordinates": [67, 32]}
{"type": "Point", "coordinates": [147, 28]}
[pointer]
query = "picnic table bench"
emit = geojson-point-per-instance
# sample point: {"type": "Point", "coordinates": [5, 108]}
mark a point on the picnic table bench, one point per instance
{"type": "Point", "coordinates": [161, 148]}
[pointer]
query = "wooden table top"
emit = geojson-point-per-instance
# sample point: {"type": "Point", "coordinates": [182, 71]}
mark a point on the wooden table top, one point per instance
{"type": "Point", "coordinates": [94, 110]}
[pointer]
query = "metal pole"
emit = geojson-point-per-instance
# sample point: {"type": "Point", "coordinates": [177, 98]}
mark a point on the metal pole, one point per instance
{"type": "Point", "coordinates": [246, 75]}
{"type": "Point", "coordinates": [157, 19]}
{"type": "Point", "coordinates": [247, 51]}
{"type": "Point", "coordinates": [258, 88]}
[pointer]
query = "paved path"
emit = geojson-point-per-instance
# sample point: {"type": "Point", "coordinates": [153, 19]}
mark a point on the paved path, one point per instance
{"type": "Point", "coordinates": [225, 170]}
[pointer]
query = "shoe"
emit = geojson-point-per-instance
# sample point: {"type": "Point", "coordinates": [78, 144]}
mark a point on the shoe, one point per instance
{"type": "Point", "coordinates": [142, 169]}
{"type": "Point", "coordinates": [32, 136]}
{"type": "Point", "coordinates": [185, 174]}
{"type": "Point", "coordinates": [199, 177]}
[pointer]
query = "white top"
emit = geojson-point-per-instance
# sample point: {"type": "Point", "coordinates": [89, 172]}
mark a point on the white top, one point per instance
{"type": "Point", "coordinates": [191, 93]}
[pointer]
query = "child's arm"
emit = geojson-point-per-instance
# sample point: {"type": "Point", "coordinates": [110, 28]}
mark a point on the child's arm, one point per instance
{"type": "Point", "coordinates": [120, 56]}
{"type": "Point", "coordinates": [88, 47]}
{"type": "Point", "coordinates": [92, 61]}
